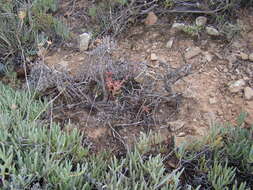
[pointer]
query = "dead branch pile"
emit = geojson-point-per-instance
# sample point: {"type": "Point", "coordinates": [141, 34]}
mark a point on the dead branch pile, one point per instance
{"type": "Point", "coordinates": [117, 93]}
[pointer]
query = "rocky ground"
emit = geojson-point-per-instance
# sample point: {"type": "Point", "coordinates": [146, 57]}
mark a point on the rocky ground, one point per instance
{"type": "Point", "coordinates": [218, 89]}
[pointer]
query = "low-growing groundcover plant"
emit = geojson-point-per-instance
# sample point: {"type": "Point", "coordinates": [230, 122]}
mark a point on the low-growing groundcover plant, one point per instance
{"type": "Point", "coordinates": [37, 155]}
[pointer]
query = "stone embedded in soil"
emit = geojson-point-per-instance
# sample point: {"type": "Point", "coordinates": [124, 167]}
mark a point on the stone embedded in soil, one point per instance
{"type": "Point", "coordinates": [225, 70]}
{"type": "Point", "coordinates": [201, 21]}
{"type": "Point", "coordinates": [83, 41]}
{"type": "Point", "coordinates": [244, 56]}
{"type": "Point", "coordinates": [208, 56]}
{"type": "Point", "coordinates": [251, 57]}
{"type": "Point", "coordinates": [151, 19]}
{"type": "Point", "coordinates": [248, 93]}
{"type": "Point", "coordinates": [153, 57]}
{"type": "Point", "coordinates": [246, 78]}
{"type": "Point", "coordinates": [219, 112]}
{"type": "Point", "coordinates": [169, 44]}
{"type": "Point", "coordinates": [237, 86]}
{"type": "Point", "coordinates": [181, 134]}
{"type": "Point", "coordinates": [192, 52]}
{"type": "Point", "coordinates": [212, 100]}
{"type": "Point", "coordinates": [140, 80]}
{"type": "Point", "coordinates": [212, 31]}
{"type": "Point", "coordinates": [178, 26]}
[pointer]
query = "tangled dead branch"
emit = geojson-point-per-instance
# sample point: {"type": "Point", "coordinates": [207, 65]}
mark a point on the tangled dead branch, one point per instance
{"type": "Point", "coordinates": [110, 89]}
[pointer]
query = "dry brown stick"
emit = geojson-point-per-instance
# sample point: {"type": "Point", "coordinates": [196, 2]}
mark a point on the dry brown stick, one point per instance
{"type": "Point", "coordinates": [72, 8]}
{"type": "Point", "coordinates": [126, 15]}
{"type": "Point", "coordinates": [197, 11]}
{"type": "Point", "coordinates": [119, 136]}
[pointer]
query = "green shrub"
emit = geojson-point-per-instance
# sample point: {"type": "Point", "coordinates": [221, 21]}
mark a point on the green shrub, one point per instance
{"type": "Point", "coordinates": [193, 30]}
{"type": "Point", "coordinates": [24, 25]}
{"type": "Point", "coordinates": [41, 155]}
{"type": "Point", "coordinates": [223, 158]}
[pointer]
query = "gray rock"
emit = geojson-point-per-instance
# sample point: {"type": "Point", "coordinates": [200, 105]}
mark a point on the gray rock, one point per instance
{"type": "Point", "coordinates": [151, 19]}
{"type": "Point", "coordinates": [212, 101]}
{"type": "Point", "coordinates": [251, 57]}
{"type": "Point", "coordinates": [248, 93]}
{"type": "Point", "coordinates": [208, 56]}
{"type": "Point", "coordinates": [169, 44]}
{"type": "Point", "coordinates": [244, 56]}
{"type": "Point", "coordinates": [201, 21]}
{"type": "Point", "coordinates": [83, 41]}
{"type": "Point", "coordinates": [178, 26]}
{"type": "Point", "coordinates": [237, 86]}
{"type": "Point", "coordinates": [153, 57]}
{"type": "Point", "coordinates": [212, 31]}
{"type": "Point", "coordinates": [140, 79]}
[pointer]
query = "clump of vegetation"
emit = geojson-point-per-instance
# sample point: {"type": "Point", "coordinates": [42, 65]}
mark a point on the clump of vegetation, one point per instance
{"type": "Point", "coordinates": [193, 30]}
{"type": "Point", "coordinates": [168, 3]}
{"type": "Point", "coordinates": [40, 155]}
{"type": "Point", "coordinates": [223, 159]}
{"type": "Point", "coordinates": [27, 25]}
{"type": "Point", "coordinates": [228, 29]}
{"type": "Point", "coordinates": [106, 14]}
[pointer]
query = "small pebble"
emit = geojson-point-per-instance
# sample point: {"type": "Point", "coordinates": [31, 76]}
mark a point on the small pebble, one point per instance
{"type": "Point", "coordinates": [251, 57]}
{"type": "Point", "coordinates": [212, 100]}
{"type": "Point", "coordinates": [244, 56]}
{"type": "Point", "coordinates": [248, 93]}
{"type": "Point", "coordinates": [169, 44]}
{"type": "Point", "coordinates": [201, 21]}
{"type": "Point", "coordinates": [153, 57]}
{"type": "Point", "coordinates": [212, 31]}
{"type": "Point", "coordinates": [178, 26]}
{"type": "Point", "coordinates": [151, 19]}
{"type": "Point", "coordinates": [237, 86]}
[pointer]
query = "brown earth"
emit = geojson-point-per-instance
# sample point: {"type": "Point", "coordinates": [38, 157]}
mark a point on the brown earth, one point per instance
{"type": "Point", "coordinates": [207, 99]}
